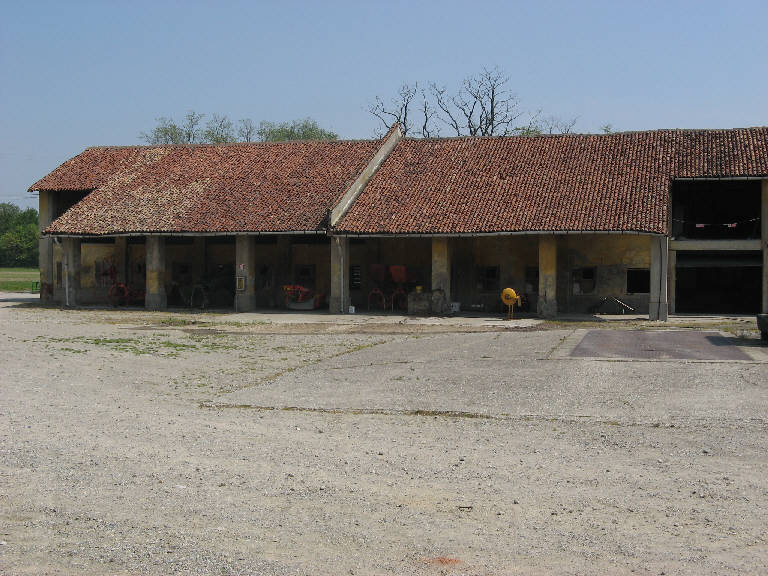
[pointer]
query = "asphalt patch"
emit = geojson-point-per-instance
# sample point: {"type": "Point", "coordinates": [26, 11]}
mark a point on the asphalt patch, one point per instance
{"type": "Point", "coordinates": [658, 345]}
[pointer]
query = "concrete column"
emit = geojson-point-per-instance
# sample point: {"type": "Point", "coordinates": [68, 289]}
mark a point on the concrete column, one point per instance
{"type": "Point", "coordinates": [245, 273]}
{"type": "Point", "coordinates": [441, 266]}
{"type": "Point", "coordinates": [339, 299]}
{"type": "Point", "coordinates": [71, 249]}
{"type": "Point", "coordinates": [672, 281]}
{"type": "Point", "coordinates": [658, 308]}
{"type": "Point", "coordinates": [764, 224]}
{"type": "Point", "coordinates": [121, 259]}
{"type": "Point", "coordinates": [155, 298]}
{"type": "Point", "coordinates": [547, 307]}
{"type": "Point", "coordinates": [46, 213]}
{"type": "Point", "coordinates": [441, 275]}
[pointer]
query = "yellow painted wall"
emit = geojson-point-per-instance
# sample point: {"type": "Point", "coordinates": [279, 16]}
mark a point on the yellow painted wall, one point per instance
{"type": "Point", "coordinates": [630, 250]}
{"type": "Point", "coordinates": [94, 259]}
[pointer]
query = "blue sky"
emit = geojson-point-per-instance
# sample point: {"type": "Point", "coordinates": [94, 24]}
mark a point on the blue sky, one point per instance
{"type": "Point", "coordinates": [75, 73]}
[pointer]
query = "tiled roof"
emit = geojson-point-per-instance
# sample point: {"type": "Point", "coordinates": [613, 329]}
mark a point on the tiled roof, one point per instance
{"type": "Point", "coordinates": [614, 182]}
{"type": "Point", "coordinates": [287, 186]}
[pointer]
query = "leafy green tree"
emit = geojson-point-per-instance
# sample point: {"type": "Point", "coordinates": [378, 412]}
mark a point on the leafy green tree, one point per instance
{"type": "Point", "coordinates": [18, 236]}
{"type": "Point", "coordinates": [219, 129]}
{"type": "Point", "coordinates": [168, 131]}
{"type": "Point", "coordinates": [8, 214]}
{"type": "Point", "coordinates": [305, 129]}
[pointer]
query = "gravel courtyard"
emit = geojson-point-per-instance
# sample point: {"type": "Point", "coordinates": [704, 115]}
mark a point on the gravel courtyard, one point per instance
{"type": "Point", "coordinates": [136, 443]}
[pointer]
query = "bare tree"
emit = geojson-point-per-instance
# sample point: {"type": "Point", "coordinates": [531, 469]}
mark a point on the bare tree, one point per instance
{"type": "Point", "coordinates": [484, 105]}
{"type": "Point", "coordinates": [556, 125]}
{"type": "Point", "coordinates": [428, 113]}
{"type": "Point", "coordinates": [397, 110]}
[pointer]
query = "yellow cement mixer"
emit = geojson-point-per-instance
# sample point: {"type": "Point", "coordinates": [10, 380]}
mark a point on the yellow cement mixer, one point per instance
{"type": "Point", "coordinates": [510, 298]}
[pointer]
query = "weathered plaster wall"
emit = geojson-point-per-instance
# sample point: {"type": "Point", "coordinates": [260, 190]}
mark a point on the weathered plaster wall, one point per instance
{"type": "Point", "coordinates": [611, 256]}
{"type": "Point", "coordinates": [95, 259]}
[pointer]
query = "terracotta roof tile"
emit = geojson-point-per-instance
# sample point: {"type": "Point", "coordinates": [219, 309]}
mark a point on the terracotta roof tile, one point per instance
{"type": "Point", "coordinates": [615, 182]}
{"type": "Point", "coordinates": [288, 186]}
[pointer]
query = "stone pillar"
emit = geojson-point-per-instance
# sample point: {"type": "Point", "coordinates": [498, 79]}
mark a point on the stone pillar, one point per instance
{"type": "Point", "coordinates": [672, 281]}
{"type": "Point", "coordinates": [441, 274]}
{"type": "Point", "coordinates": [155, 298]}
{"type": "Point", "coordinates": [71, 252]}
{"type": "Point", "coordinates": [547, 306]}
{"type": "Point", "coordinates": [339, 299]}
{"type": "Point", "coordinates": [245, 273]}
{"type": "Point", "coordinates": [46, 213]}
{"type": "Point", "coordinates": [121, 259]}
{"type": "Point", "coordinates": [658, 308]}
{"type": "Point", "coordinates": [764, 224]}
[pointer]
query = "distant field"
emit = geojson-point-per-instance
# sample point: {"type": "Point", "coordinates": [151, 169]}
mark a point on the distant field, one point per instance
{"type": "Point", "coordinates": [18, 279]}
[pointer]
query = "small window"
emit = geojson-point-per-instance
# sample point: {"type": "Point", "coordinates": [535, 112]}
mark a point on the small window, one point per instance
{"type": "Point", "coordinates": [488, 278]}
{"type": "Point", "coordinates": [355, 277]}
{"type": "Point", "coordinates": [638, 281]}
{"type": "Point", "coordinates": [59, 274]}
{"type": "Point", "coordinates": [584, 280]}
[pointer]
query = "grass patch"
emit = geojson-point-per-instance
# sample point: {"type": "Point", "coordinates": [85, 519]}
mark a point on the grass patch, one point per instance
{"type": "Point", "coordinates": [178, 321]}
{"type": "Point", "coordinates": [135, 346]}
{"type": "Point", "coordinates": [18, 279]}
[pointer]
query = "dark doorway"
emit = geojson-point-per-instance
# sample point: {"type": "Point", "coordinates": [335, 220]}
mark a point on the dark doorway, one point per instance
{"type": "Point", "coordinates": [716, 209]}
{"type": "Point", "coordinates": [716, 283]}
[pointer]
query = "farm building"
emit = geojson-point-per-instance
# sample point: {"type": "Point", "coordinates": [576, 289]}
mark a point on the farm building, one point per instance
{"type": "Point", "coordinates": [658, 222]}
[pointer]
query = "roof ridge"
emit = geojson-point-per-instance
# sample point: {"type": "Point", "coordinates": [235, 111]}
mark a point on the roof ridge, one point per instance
{"type": "Point", "coordinates": [584, 134]}
{"type": "Point", "coordinates": [227, 144]}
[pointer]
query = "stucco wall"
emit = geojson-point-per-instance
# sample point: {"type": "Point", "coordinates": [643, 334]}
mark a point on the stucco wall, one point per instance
{"type": "Point", "coordinates": [610, 256]}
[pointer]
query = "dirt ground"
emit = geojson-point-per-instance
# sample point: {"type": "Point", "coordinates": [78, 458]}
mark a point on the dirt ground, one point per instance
{"type": "Point", "coordinates": [134, 443]}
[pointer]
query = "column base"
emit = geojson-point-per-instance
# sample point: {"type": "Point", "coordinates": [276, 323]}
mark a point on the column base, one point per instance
{"type": "Point", "coordinates": [245, 302]}
{"type": "Point", "coordinates": [658, 311]}
{"type": "Point", "coordinates": [547, 309]}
